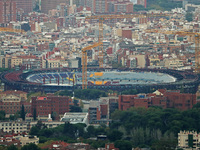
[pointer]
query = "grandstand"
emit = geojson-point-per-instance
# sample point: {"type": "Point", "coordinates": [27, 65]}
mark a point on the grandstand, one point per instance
{"type": "Point", "coordinates": [100, 78]}
{"type": "Point", "coordinates": [52, 80]}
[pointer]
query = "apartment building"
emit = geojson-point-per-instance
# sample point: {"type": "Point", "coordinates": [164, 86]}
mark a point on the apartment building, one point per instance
{"type": "Point", "coordinates": [47, 5]}
{"type": "Point", "coordinates": [27, 139]}
{"type": "Point", "coordinates": [20, 126]}
{"type": "Point", "coordinates": [7, 11]}
{"type": "Point", "coordinates": [5, 61]}
{"type": "Point", "coordinates": [162, 98]}
{"type": "Point", "coordinates": [16, 61]}
{"type": "Point", "coordinates": [188, 140]}
{"type": "Point", "coordinates": [94, 111]}
{"type": "Point", "coordinates": [53, 63]}
{"type": "Point", "coordinates": [12, 101]}
{"type": "Point", "coordinates": [45, 105]}
{"type": "Point", "coordinates": [15, 126]}
{"type": "Point", "coordinates": [26, 5]}
{"type": "Point", "coordinates": [120, 7]}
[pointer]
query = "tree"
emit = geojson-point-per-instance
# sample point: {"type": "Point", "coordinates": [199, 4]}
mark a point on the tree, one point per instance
{"type": "Point", "coordinates": [53, 115]}
{"type": "Point", "coordinates": [2, 147]}
{"type": "Point", "coordinates": [138, 7]}
{"type": "Point", "coordinates": [34, 114]}
{"type": "Point", "coordinates": [2, 115]}
{"type": "Point", "coordinates": [123, 145]}
{"type": "Point", "coordinates": [189, 16]}
{"type": "Point", "coordinates": [12, 147]}
{"type": "Point", "coordinates": [91, 131]}
{"type": "Point", "coordinates": [197, 105]}
{"type": "Point", "coordinates": [164, 144]}
{"type": "Point", "coordinates": [115, 135]}
{"type": "Point", "coordinates": [70, 130]}
{"type": "Point", "coordinates": [22, 114]}
{"type": "Point", "coordinates": [75, 108]}
{"type": "Point", "coordinates": [30, 146]}
{"type": "Point", "coordinates": [26, 27]}
{"type": "Point", "coordinates": [40, 125]}
{"type": "Point", "coordinates": [34, 131]}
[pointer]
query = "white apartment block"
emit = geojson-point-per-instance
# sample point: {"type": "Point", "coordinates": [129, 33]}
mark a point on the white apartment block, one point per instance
{"type": "Point", "coordinates": [189, 140]}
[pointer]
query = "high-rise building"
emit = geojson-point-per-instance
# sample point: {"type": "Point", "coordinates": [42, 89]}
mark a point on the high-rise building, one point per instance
{"type": "Point", "coordinates": [100, 6]}
{"type": "Point", "coordinates": [90, 3]}
{"type": "Point", "coordinates": [7, 11]}
{"type": "Point", "coordinates": [120, 6]}
{"type": "Point", "coordinates": [26, 5]}
{"type": "Point", "coordinates": [47, 5]}
{"type": "Point", "coordinates": [126, 7]}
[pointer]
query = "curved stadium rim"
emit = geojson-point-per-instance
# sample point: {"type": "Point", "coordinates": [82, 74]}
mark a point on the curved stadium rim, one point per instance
{"type": "Point", "coordinates": [185, 79]}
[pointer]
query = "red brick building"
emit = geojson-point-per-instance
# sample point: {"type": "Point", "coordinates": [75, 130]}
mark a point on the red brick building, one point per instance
{"type": "Point", "coordinates": [46, 105]}
{"type": "Point", "coordinates": [182, 101]}
{"type": "Point", "coordinates": [127, 34]}
{"type": "Point", "coordinates": [12, 101]}
{"type": "Point", "coordinates": [162, 98]}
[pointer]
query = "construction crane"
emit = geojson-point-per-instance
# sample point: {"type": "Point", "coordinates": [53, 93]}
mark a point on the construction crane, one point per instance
{"type": "Point", "coordinates": [101, 18]}
{"type": "Point", "coordinates": [4, 29]}
{"type": "Point", "coordinates": [84, 63]}
{"type": "Point", "coordinates": [185, 33]}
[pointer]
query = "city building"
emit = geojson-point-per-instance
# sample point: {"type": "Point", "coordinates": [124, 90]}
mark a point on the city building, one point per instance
{"type": "Point", "coordinates": [162, 98]}
{"type": "Point", "coordinates": [188, 140]}
{"type": "Point", "coordinates": [74, 118]}
{"type": "Point", "coordinates": [181, 101]}
{"type": "Point", "coordinates": [5, 61]}
{"type": "Point", "coordinates": [14, 126]}
{"type": "Point", "coordinates": [47, 5]}
{"type": "Point", "coordinates": [11, 102]}
{"type": "Point", "coordinates": [100, 111]}
{"type": "Point", "coordinates": [27, 139]}
{"type": "Point", "coordinates": [20, 126]}
{"type": "Point", "coordinates": [100, 6]}
{"type": "Point", "coordinates": [7, 11]}
{"type": "Point", "coordinates": [26, 5]}
{"type": "Point", "coordinates": [108, 105]}
{"type": "Point", "coordinates": [16, 61]}
{"type": "Point", "coordinates": [55, 105]}
{"type": "Point", "coordinates": [94, 113]}
{"type": "Point", "coordinates": [120, 7]}
{"type": "Point", "coordinates": [52, 63]}
{"type": "Point", "coordinates": [17, 139]}
{"type": "Point", "coordinates": [22, 95]}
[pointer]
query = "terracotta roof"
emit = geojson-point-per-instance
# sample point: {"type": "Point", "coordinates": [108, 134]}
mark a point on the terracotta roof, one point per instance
{"type": "Point", "coordinates": [162, 90]}
{"type": "Point", "coordinates": [41, 98]}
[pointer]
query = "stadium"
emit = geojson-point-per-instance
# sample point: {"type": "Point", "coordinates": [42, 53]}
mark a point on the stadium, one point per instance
{"type": "Point", "coordinates": [52, 80]}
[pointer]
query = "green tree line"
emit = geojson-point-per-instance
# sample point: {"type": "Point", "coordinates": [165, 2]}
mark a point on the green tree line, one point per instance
{"type": "Point", "coordinates": [159, 5]}
{"type": "Point", "coordinates": [137, 127]}
{"type": "Point", "coordinates": [84, 94]}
